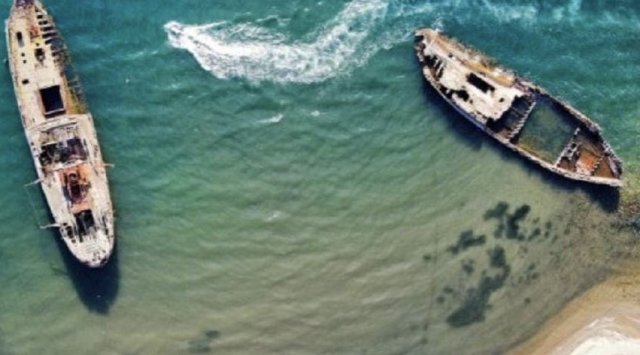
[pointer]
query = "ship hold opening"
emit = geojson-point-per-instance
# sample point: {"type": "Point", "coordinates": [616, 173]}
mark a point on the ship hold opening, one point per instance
{"type": "Point", "coordinates": [20, 39]}
{"type": "Point", "coordinates": [480, 83]}
{"type": "Point", "coordinates": [85, 222]}
{"type": "Point", "coordinates": [76, 187]}
{"type": "Point", "coordinates": [548, 130]}
{"type": "Point", "coordinates": [39, 53]}
{"type": "Point", "coordinates": [513, 120]}
{"type": "Point", "coordinates": [52, 101]}
{"type": "Point", "coordinates": [67, 151]}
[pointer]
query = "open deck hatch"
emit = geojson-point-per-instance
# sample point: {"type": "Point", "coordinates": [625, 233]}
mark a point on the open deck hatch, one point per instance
{"type": "Point", "coordinates": [85, 222]}
{"type": "Point", "coordinates": [52, 101]}
{"type": "Point", "coordinates": [480, 83]}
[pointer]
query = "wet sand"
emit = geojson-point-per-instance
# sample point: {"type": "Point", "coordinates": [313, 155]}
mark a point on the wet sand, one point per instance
{"type": "Point", "coordinates": [604, 320]}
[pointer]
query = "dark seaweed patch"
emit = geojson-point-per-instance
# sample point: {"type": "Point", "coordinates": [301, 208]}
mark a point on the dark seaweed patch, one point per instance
{"type": "Point", "coordinates": [535, 234]}
{"type": "Point", "coordinates": [508, 224]}
{"type": "Point", "coordinates": [497, 257]}
{"type": "Point", "coordinates": [513, 222]}
{"type": "Point", "coordinates": [521, 213]}
{"type": "Point", "coordinates": [499, 232]}
{"type": "Point", "coordinates": [199, 346]}
{"type": "Point", "coordinates": [211, 334]}
{"type": "Point", "coordinates": [467, 240]}
{"type": "Point", "coordinates": [202, 344]}
{"type": "Point", "coordinates": [530, 274]}
{"type": "Point", "coordinates": [468, 266]}
{"type": "Point", "coordinates": [476, 302]}
{"type": "Point", "coordinates": [497, 212]}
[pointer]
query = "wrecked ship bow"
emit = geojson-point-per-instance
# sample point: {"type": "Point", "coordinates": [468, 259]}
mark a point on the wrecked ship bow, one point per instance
{"type": "Point", "coordinates": [516, 112]}
{"type": "Point", "coordinates": [60, 133]}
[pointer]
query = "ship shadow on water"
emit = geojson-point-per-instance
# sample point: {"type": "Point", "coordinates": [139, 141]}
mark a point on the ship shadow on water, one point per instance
{"type": "Point", "coordinates": [607, 197]}
{"type": "Point", "coordinates": [96, 288]}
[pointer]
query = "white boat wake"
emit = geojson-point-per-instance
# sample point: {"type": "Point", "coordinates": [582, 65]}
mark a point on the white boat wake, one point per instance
{"type": "Point", "coordinates": [256, 54]}
{"type": "Point", "coordinates": [272, 120]}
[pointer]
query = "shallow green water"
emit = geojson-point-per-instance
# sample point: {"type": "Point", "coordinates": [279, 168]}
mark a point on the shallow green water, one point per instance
{"type": "Point", "coordinates": [307, 192]}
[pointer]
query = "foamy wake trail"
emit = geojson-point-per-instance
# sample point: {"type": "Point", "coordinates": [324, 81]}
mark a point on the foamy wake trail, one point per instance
{"type": "Point", "coordinates": [349, 40]}
{"type": "Point", "coordinates": [257, 54]}
{"type": "Point", "coordinates": [272, 120]}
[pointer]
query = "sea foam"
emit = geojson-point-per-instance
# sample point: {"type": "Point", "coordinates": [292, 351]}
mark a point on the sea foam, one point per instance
{"type": "Point", "coordinates": [272, 120]}
{"type": "Point", "coordinates": [359, 31]}
{"type": "Point", "coordinates": [257, 54]}
{"type": "Point", "coordinates": [608, 343]}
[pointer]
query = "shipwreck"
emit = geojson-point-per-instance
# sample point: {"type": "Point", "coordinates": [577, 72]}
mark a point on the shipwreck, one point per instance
{"type": "Point", "coordinates": [60, 133]}
{"type": "Point", "coordinates": [517, 113]}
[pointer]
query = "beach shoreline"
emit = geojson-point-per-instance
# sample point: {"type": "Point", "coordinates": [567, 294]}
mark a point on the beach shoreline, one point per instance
{"type": "Point", "coordinates": [605, 319]}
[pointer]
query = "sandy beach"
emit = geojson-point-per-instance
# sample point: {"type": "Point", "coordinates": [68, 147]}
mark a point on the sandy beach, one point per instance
{"type": "Point", "coordinates": [605, 320]}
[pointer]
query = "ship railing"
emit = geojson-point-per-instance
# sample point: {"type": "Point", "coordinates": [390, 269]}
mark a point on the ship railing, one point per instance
{"type": "Point", "coordinates": [570, 150]}
{"type": "Point", "coordinates": [519, 126]}
{"type": "Point", "coordinates": [523, 116]}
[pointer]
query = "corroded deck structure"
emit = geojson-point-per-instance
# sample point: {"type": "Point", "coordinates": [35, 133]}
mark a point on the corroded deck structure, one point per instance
{"type": "Point", "coordinates": [519, 114]}
{"type": "Point", "coordinates": [60, 133]}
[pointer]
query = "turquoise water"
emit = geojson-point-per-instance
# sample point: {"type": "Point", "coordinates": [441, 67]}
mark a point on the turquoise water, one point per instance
{"type": "Point", "coordinates": [285, 182]}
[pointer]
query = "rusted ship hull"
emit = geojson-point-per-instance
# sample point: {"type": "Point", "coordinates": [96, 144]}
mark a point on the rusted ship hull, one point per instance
{"type": "Point", "coordinates": [60, 133]}
{"type": "Point", "coordinates": [519, 114]}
